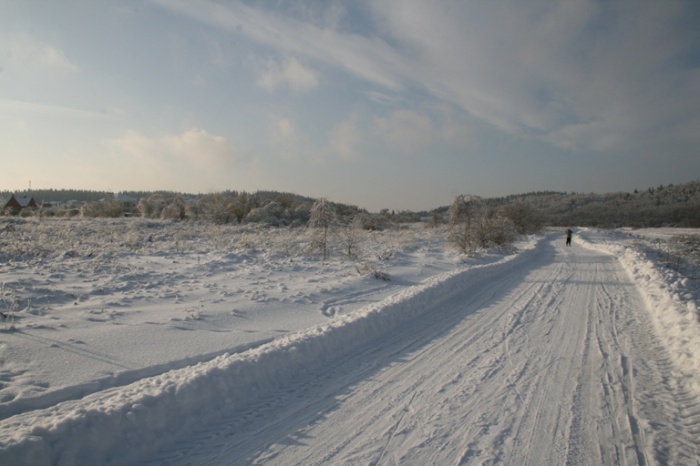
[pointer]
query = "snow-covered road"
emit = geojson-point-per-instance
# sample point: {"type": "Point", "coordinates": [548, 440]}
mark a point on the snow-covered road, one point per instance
{"type": "Point", "coordinates": [544, 355]}
{"type": "Point", "coordinates": [553, 362]}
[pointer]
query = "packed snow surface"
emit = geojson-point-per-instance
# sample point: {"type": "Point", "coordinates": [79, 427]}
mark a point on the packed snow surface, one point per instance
{"type": "Point", "coordinates": [134, 342]}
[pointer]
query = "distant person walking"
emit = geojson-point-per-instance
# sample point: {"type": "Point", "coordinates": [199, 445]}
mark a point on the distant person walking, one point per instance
{"type": "Point", "coordinates": [568, 236]}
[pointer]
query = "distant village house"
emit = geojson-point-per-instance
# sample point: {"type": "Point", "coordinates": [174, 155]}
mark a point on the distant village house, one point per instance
{"type": "Point", "coordinates": [129, 204]}
{"type": "Point", "coordinates": [17, 204]}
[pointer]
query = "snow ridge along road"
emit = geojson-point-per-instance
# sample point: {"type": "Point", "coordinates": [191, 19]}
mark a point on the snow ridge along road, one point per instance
{"type": "Point", "coordinates": [548, 357]}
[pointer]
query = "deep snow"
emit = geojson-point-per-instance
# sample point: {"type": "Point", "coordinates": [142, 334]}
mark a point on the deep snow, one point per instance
{"type": "Point", "coordinates": [124, 337]}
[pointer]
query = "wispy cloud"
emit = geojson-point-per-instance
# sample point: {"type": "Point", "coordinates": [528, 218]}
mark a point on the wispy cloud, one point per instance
{"type": "Point", "coordinates": [369, 58]}
{"type": "Point", "coordinates": [18, 108]}
{"type": "Point", "coordinates": [581, 74]}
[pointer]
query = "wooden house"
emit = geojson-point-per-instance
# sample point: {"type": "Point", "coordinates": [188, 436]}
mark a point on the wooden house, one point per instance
{"type": "Point", "coordinates": [17, 204]}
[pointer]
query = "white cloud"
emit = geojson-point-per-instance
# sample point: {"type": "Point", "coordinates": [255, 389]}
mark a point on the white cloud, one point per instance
{"type": "Point", "coordinates": [285, 138]}
{"type": "Point", "coordinates": [219, 54]}
{"type": "Point", "coordinates": [197, 146]}
{"type": "Point", "coordinates": [405, 130]}
{"type": "Point", "coordinates": [288, 73]}
{"type": "Point", "coordinates": [346, 139]}
{"type": "Point", "coordinates": [35, 53]}
{"type": "Point", "coordinates": [455, 130]}
{"type": "Point", "coordinates": [195, 149]}
{"type": "Point", "coordinates": [409, 131]}
{"type": "Point", "coordinates": [284, 129]}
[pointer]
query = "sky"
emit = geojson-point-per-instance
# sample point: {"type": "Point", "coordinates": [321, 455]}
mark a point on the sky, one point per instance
{"type": "Point", "coordinates": [398, 104]}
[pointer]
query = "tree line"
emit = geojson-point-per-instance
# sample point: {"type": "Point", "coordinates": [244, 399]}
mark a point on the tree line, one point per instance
{"type": "Point", "coordinates": [670, 205]}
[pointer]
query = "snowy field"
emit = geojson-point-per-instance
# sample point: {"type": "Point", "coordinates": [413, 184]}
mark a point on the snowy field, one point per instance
{"type": "Point", "coordinates": [139, 342]}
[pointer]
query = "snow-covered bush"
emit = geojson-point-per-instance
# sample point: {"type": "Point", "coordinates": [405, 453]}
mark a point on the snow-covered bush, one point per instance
{"type": "Point", "coordinates": [526, 219]}
{"type": "Point", "coordinates": [269, 214]}
{"type": "Point", "coordinates": [495, 229]}
{"type": "Point", "coordinates": [105, 208]}
{"type": "Point", "coordinates": [465, 213]}
{"type": "Point", "coordinates": [474, 226]}
{"type": "Point", "coordinates": [175, 210]}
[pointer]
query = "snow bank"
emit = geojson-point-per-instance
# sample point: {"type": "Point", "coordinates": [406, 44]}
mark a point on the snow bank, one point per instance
{"type": "Point", "coordinates": [672, 306]}
{"type": "Point", "coordinates": [120, 424]}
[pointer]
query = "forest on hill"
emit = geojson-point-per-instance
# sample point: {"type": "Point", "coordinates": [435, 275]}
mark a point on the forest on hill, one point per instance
{"type": "Point", "coordinates": [671, 205]}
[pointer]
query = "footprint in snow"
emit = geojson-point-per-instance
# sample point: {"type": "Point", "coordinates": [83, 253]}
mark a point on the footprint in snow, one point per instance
{"type": "Point", "coordinates": [331, 311]}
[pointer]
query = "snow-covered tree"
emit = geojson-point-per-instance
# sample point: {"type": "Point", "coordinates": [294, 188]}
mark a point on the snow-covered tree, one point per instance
{"type": "Point", "coordinates": [175, 210]}
{"type": "Point", "coordinates": [465, 213]}
{"type": "Point", "coordinates": [495, 229]}
{"type": "Point", "coordinates": [352, 236]}
{"type": "Point", "coordinates": [323, 220]}
{"type": "Point", "coordinates": [526, 219]}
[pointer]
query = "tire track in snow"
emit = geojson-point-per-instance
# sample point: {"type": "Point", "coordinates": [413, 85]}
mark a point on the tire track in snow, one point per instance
{"type": "Point", "coordinates": [635, 390]}
{"type": "Point", "coordinates": [537, 368]}
{"type": "Point", "coordinates": [485, 367]}
{"type": "Point", "coordinates": [655, 395]}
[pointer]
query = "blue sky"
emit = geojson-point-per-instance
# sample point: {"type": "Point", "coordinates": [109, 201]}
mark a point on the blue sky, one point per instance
{"type": "Point", "coordinates": [399, 104]}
